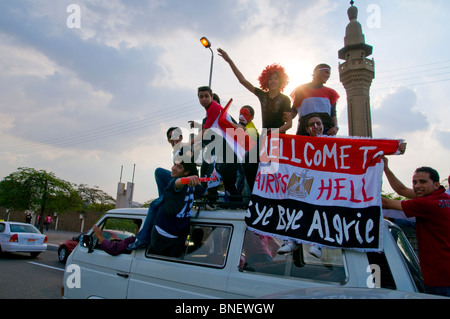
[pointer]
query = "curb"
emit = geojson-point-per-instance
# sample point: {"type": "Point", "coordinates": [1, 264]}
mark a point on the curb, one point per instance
{"type": "Point", "coordinates": [52, 247]}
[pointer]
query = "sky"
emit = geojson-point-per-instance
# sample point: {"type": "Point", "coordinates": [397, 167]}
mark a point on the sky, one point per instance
{"type": "Point", "coordinates": [89, 87]}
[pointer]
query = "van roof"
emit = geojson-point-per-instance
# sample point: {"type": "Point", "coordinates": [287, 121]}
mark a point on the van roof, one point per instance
{"type": "Point", "coordinates": [222, 214]}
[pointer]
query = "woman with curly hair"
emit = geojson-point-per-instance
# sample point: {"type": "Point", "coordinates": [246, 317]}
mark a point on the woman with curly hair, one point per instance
{"type": "Point", "coordinates": [275, 106]}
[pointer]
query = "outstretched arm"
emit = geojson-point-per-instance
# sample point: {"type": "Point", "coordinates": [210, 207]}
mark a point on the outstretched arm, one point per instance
{"type": "Point", "coordinates": [388, 203]}
{"type": "Point", "coordinates": [193, 181]}
{"type": "Point", "coordinates": [236, 71]}
{"type": "Point", "coordinates": [395, 183]}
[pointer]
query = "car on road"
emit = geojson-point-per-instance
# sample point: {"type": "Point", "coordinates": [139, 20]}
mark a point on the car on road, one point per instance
{"type": "Point", "coordinates": [222, 259]}
{"type": "Point", "coordinates": [66, 247]}
{"type": "Point", "coordinates": [22, 238]}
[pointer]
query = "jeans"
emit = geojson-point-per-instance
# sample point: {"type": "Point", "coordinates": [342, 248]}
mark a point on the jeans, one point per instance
{"type": "Point", "coordinates": [161, 245]}
{"type": "Point", "coordinates": [143, 237]}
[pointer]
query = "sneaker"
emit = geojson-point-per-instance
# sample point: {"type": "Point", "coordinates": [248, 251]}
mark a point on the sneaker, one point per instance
{"type": "Point", "coordinates": [315, 250]}
{"type": "Point", "coordinates": [210, 206]}
{"type": "Point", "coordinates": [136, 245]}
{"type": "Point", "coordinates": [288, 247]}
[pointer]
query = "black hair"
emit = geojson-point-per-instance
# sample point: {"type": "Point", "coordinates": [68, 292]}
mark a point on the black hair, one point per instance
{"type": "Point", "coordinates": [191, 167]}
{"type": "Point", "coordinates": [434, 175]}
{"type": "Point", "coordinates": [311, 115]}
{"type": "Point", "coordinates": [321, 66]}
{"type": "Point", "coordinates": [250, 109]}
{"type": "Point", "coordinates": [169, 131]}
{"type": "Point", "coordinates": [204, 89]}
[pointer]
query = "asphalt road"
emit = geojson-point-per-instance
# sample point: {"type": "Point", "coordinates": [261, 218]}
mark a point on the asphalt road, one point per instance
{"type": "Point", "coordinates": [23, 277]}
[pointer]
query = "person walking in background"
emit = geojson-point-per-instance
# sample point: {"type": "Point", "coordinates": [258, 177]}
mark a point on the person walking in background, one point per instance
{"type": "Point", "coordinates": [47, 221]}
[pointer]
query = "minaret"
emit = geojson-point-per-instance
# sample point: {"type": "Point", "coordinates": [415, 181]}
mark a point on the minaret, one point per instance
{"type": "Point", "coordinates": [356, 74]}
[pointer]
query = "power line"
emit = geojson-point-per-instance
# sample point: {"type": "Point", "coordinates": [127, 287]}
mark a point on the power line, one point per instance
{"type": "Point", "coordinates": [98, 133]}
{"type": "Point", "coordinates": [191, 107]}
{"type": "Point", "coordinates": [109, 130]}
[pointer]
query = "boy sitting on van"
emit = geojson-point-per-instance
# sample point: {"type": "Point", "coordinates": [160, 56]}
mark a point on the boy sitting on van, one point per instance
{"type": "Point", "coordinates": [172, 222]}
{"type": "Point", "coordinates": [167, 225]}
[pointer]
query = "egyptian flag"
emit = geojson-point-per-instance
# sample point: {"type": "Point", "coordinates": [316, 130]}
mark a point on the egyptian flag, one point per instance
{"type": "Point", "coordinates": [237, 138]}
{"type": "Point", "coordinates": [323, 190]}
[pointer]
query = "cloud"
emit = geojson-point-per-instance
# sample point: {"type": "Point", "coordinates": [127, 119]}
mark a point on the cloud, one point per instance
{"type": "Point", "coordinates": [443, 137]}
{"type": "Point", "coordinates": [82, 102]}
{"type": "Point", "coordinates": [398, 114]}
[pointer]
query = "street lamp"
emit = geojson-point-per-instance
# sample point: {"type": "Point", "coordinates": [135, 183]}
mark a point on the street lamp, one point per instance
{"type": "Point", "coordinates": [205, 42]}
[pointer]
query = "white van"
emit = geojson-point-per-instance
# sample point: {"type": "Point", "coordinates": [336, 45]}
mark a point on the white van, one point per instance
{"type": "Point", "coordinates": [219, 262]}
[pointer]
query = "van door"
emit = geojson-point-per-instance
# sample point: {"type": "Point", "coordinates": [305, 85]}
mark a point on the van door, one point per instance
{"type": "Point", "coordinates": [201, 272]}
{"type": "Point", "coordinates": [262, 271]}
{"type": "Point", "coordinates": [103, 275]}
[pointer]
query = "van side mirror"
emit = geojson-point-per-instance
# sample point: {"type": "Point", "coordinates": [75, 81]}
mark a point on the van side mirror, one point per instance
{"type": "Point", "coordinates": [88, 242]}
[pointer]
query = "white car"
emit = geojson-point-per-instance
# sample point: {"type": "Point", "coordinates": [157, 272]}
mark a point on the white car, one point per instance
{"type": "Point", "coordinates": [21, 237]}
{"type": "Point", "coordinates": [222, 260]}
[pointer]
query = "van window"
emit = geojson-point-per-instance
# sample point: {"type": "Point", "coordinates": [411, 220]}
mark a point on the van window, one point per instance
{"type": "Point", "coordinates": [116, 229]}
{"type": "Point", "coordinates": [259, 255]}
{"type": "Point", "coordinates": [207, 245]}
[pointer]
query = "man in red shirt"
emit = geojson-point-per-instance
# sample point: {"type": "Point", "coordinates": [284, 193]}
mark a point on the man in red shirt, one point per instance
{"type": "Point", "coordinates": [226, 169]}
{"type": "Point", "coordinates": [431, 207]}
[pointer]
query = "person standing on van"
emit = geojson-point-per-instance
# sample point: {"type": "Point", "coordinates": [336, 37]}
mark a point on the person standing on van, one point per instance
{"type": "Point", "coordinates": [276, 109]}
{"type": "Point", "coordinates": [314, 97]}
{"type": "Point", "coordinates": [275, 106]}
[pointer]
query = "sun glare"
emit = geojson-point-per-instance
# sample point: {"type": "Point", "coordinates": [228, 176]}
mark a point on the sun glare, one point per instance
{"type": "Point", "coordinates": [299, 72]}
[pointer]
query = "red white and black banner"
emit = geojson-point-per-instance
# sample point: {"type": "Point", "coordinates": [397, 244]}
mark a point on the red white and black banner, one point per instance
{"type": "Point", "coordinates": [323, 190]}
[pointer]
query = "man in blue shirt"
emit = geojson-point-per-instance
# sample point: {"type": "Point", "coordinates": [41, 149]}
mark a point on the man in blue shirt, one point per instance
{"type": "Point", "coordinates": [172, 221]}
{"type": "Point", "coordinates": [167, 224]}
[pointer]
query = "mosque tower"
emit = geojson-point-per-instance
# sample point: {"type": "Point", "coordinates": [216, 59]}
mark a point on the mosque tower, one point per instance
{"type": "Point", "coordinates": [356, 74]}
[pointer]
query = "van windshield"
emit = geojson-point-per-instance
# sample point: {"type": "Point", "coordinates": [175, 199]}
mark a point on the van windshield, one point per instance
{"type": "Point", "coordinates": [409, 256]}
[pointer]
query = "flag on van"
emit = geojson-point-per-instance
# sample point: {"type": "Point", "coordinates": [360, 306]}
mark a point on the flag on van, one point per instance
{"type": "Point", "coordinates": [237, 138]}
{"type": "Point", "coordinates": [324, 190]}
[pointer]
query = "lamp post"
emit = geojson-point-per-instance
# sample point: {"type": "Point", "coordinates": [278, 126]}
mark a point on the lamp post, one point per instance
{"type": "Point", "coordinates": [205, 42]}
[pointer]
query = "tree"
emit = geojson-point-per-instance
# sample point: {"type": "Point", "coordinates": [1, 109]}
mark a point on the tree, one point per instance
{"type": "Point", "coordinates": [38, 190]}
{"type": "Point", "coordinates": [95, 199]}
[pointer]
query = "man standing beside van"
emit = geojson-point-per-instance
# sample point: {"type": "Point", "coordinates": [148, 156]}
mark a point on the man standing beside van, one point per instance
{"type": "Point", "coordinates": [431, 207]}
